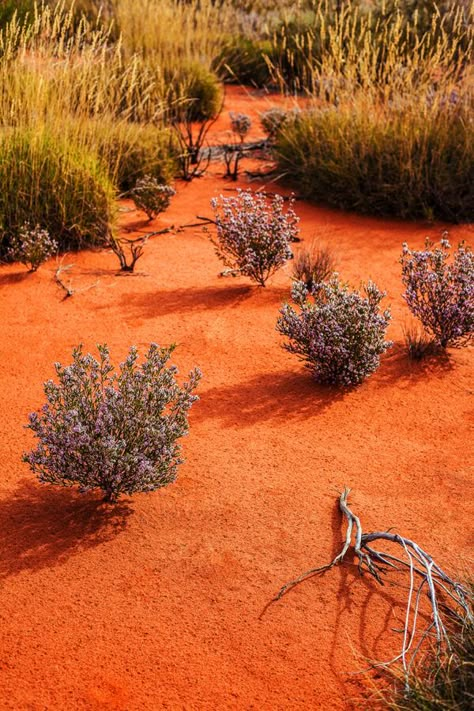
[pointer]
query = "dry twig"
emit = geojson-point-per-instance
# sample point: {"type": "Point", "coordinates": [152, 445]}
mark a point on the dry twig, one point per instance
{"type": "Point", "coordinates": [58, 279]}
{"type": "Point", "coordinates": [67, 288]}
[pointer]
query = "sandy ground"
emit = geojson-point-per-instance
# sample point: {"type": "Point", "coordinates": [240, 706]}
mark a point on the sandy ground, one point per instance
{"type": "Point", "coordinates": [156, 602]}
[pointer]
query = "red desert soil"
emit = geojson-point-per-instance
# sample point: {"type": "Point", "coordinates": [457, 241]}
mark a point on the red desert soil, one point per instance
{"type": "Point", "coordinates": [155, 602]}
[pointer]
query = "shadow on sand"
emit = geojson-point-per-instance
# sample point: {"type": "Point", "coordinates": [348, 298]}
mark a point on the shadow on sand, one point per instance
{"type": "Point", "coordinates": [281, 396]}
{"type": "Point", "coordinates": [42, 526]}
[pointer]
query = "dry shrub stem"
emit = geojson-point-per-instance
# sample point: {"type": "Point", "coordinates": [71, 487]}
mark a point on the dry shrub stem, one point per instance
{"type": "Point", "coordinates": [424, 576]}
{"type": "Point", "coordinates": [68, 290]}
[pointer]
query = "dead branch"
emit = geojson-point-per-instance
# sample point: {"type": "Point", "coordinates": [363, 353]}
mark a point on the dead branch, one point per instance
{"type": "Point", "coordinates": [134, 247]}
{"type": "Point", "coordinates": [69, 291]}
{"type": "Point", "coordinates": [425, 575]}
{"type": "Point", "coordinates": [57, 277]}
{"type": "Point", "coordinates": [164, 231]}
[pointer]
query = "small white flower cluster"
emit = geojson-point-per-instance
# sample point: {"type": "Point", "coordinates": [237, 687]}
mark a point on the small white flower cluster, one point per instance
{"type": "Point", "coordinates": [151, 196]}
{"type": "Point", "coordinates": [254, 233]}
{"type": "Point", "coordinates": [31, 246]}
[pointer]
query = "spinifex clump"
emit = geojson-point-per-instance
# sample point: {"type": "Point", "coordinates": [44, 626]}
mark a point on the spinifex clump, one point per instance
{"type": "Point", "coordinates": [254, 234]}
{"type": "Point", "coordinates": [340, 334]}
{"type": "Point", "coordinates": [440, 293]}
{"type": "Point", "coordinates": [113, 431]}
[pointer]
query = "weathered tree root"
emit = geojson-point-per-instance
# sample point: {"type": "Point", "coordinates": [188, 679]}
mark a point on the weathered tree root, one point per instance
{"type": "Point", "coordinates": [424, 575]}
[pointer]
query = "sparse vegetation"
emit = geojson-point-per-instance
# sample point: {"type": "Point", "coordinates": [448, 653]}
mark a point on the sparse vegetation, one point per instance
{"type": "Point", "coordinates": [340, 334]}
{"type": "Point", "coordinates": [117, 432]}
{"type": "Point", "coordinates": [313, 265]}
{"type": "Point", "coordinates": [254, 234]}
{"type": "Point", "coordinates": [440, 292]}
{"type": "Point", "coordinates": [151, 197]}
{"type": "Point", "coordinates": [31, 246]}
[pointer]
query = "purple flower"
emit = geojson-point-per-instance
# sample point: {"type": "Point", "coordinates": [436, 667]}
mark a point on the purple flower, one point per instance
{"type": "Point", "coordinates": [339, 334]}
{"type": "Point", "coordinates": [440, 292]}
{"type": "Point", "coordinates": [253, 233]}
{"type": "Point", "coordinates": [113, 431]}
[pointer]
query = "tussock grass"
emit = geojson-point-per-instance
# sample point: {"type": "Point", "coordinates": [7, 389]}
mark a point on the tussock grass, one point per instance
{"type": "Point", "coordinates": [391, 128]}
{"type": "Point", "coordinates": [78, 122]}
{"type": "Point", "coordinates": [442, 682]}
{"type": "Point", "coordinates": [47, 181]}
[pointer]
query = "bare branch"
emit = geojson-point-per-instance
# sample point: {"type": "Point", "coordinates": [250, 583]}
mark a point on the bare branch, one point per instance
{"type": "Point", "coordinates": [419, 564]}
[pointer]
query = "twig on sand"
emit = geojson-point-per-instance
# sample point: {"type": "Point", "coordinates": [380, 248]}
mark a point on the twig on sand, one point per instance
{"type": "Point", "coordinates": [67, 288]}
{"type": "Point", "coordinates": [424, 576]}
{"type": "Point", "coordinates": [164, 231]}
{"type": "Point", "coordinates": [58, 279]}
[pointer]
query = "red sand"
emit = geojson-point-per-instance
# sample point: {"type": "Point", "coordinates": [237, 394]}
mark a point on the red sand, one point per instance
{"type": "Point", "coordinates": [155, 603]}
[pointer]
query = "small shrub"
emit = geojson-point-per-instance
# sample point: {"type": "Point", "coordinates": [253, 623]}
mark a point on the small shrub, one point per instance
{"type": "Point", "coordinates": [194, 92]}
{"type": "Point", "coordinates": [115, 432]}
{"type": "Point", "coordinates": [241, 124]}
{"type": "Point", "coordinates": [313, 265]}
{"type": "Point", "coordinates": [340, 335]}
{"type": "Point", "coordinates": [128, 251]}
{"type": "Point", "coordinates": [151, 197]}
{"type": "Point", "coordinates": [440, 293]}
{"type": "Point", "coordinates": [253, 234]}
{"type": "Point", "coordinates": [31, 246]}
{"type": "Point", "coordinates": [272, 122]}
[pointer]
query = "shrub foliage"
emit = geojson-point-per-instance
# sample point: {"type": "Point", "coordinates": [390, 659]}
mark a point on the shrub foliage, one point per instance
{"type": "Point", "coordinates": [440, 293]}
{"type": "Point", "coordinates": [31, 246]}
{"type": "Point", "coordinates": [114, 431]}
{"type": "Point", "coordinates": [340, 334]}
{"type": "Point", "coordinates": [254, 234]}
{"type": "Point", "coordinates": [151, 197]}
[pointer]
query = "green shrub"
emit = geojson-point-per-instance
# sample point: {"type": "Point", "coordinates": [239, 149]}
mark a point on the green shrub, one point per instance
{"type": "Point", "coordinates": [244, 60]}
{"type": "Point", "coordinates": [194, 92]}
{"type": "Point", "coordinates": [50, 182]}
{"type": "Point", "coordinates": [130, 151]}
{"type": "Point", "coordinates": [412, 161]}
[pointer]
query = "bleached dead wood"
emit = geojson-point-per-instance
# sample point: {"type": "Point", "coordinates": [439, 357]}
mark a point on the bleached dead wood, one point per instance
{"type": "Point", "coordinates": [446, 596]}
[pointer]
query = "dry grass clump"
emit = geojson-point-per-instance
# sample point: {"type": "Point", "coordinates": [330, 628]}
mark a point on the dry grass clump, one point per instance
{"type": "Point", "coordinates": [49, 182]}
{"type": "Point", "coordinates": [313, 264]}
{"type": "Point", "coordinates": [418, 343]}
{"type": "Point", "coordinates": [443, 682]}
{"type": "Point", "coordinates": [391, 129]}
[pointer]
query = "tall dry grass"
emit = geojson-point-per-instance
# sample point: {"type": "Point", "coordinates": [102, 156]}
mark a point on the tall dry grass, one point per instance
{"type": "Point", "coordinates": [390, 130]}
{"type": "Point", "coordinates": [86, 120]}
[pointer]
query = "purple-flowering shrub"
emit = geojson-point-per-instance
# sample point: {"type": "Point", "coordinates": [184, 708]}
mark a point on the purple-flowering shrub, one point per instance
{"type": "Point", "coordinates": [340, 334]}
{"type": "Point", "coordinates": [241, 124]}
{"type": "Point", "coordinates": [151, 197]}
{"type": "Point", "coordinates": [440, 293]}
{"type": "Point", "coordinates": [31, 246]}
{"type": "Point", "coordinates": [114, 431]}
{"type": "Point", "coordinates": [254, 234]}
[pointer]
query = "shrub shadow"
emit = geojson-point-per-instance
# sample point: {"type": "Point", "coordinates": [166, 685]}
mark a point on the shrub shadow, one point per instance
{"type": "Point", "coordinates": [271, 396]}
{"type": "Point", "coordinates": [397, 368]}
{"type": "Point", "coordinates": [42, 526]}
{"type": "Point", "coordinates": [13, 277]}
{"type": "Point", "coordinates": [161, 303]}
